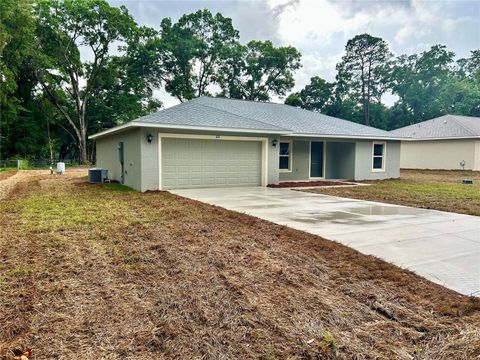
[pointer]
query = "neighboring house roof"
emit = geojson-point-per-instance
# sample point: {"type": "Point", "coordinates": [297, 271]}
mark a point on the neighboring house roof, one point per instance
{"type": "Point", "coordinates": [209, 113]}
{"type": "Point", "coordinates": [443, 127]}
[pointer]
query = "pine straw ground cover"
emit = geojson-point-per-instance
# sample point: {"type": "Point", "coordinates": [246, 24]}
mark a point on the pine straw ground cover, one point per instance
{"type": "Point", "coordinates": [6, 173]}
{"type": "Point", "coordinates": [90, 271]}
{"type": "Point", "coordinates": [430, 189]}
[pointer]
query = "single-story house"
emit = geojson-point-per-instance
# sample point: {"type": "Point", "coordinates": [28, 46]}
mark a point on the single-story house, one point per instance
{"type": "Point", "coordinates": [218, 142]}
{"type": "Point", "coordinates": [448, 142]}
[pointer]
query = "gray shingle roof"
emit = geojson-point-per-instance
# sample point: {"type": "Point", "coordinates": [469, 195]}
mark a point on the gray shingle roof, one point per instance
{"type": "Point", "coordinates": [195, 113]}
{"type": "Point", "coordinates": [447, 126]}
{"type": "Point", "coordinates": [243, 114]}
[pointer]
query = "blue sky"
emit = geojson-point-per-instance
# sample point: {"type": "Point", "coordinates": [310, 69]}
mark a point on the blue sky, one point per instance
{"type": "Point", "coordinates": [321, 28]}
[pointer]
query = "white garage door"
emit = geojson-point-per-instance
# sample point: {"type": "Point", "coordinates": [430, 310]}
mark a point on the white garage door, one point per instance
{"type": "Point", "coordinates": [194, 163]}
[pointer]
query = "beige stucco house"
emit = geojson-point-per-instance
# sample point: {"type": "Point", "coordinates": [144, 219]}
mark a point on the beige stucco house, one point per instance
{"type": "Point", "coordinates": [449, 142]}
{"type": "Point", "coordinates": [215, 142]}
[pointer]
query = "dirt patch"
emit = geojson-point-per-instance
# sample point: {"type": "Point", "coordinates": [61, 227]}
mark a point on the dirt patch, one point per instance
{"type": "Point", "coordinates": [7, 184]}
{"type": "Point", "coordinates": [293, 184]}
{"type": "Point", "coordinates": [92, 271]}
{"type": "Point", "coordinates": [6, 174]}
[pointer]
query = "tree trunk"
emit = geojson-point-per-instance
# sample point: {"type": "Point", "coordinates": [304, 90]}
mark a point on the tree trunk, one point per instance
{"type": "Point", "coordinates": [367, 102]}
{"type": "Point", "coordinates": [367, 113]}
{"type": "Point", "coordinates": [366, 106]}
{"type": "Point", "coordinates": [50, 145]}
{"type": "Point", "coordinates": [83, 131]}
{"type": "Point", "coordinates": [82, 141]}
{"type": "Point", "coordinates": [82, 150]}
{"type": "Point", "coordinates": [364, 97]}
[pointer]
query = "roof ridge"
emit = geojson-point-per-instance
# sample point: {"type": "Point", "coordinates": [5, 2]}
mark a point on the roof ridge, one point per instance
{"type": "Point", "coordinates": [470, 131]}
{"type": "Point", "coordinates": [245, 117]}
{"type": "Point", "coordinates": [161, 110]}
{"type": "Point", "coordinates": [297, 108]}
{"type": "Point", "coordinates": [421, 123]}
{"type": "Point", "coordinates": [244, 100]}
{"type": "Point", "coordinates": [465, 116]}
{"type": "Point", "coordinates": [303, 110]}
{"type": "Point", "coordinates": [194, 100]}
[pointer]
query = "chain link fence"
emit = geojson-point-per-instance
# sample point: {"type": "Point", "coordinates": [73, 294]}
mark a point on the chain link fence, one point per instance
{"type": "Point", "coordinates": [11, 164]}
{"type": "Point", "coordinates": [22, 164]}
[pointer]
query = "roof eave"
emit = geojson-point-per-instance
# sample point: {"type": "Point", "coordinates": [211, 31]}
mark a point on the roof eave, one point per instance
{"type": "Point", "coordinates": [137, 124]}
{"type": "Point", "coordinates": [112, 130]}
{"type": "Point", "coordinates": [443, 138]}
{"type": "Point", "coordinates": [333, 136]}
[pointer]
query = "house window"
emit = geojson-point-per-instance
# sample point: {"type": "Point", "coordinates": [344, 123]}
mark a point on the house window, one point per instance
{"type": "Point", "coordinates": [285, 156]}
{"type": "Point", "coordinates": [378, 163]}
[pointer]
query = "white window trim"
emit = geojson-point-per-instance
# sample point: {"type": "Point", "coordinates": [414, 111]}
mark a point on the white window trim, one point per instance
{"type": "Point", "coordinates": [384, 155]}
{"type": "Point", "coordinates": [310, 160]}
{"type": "Point", "coordinates": [290, 156]}
{"type": "Point", "coordinates": [263, 140]}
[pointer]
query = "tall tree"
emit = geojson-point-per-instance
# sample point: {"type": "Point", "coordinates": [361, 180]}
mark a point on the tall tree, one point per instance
{"type": "Point", "coordinates": [468, 83]}
{"type": "Point", "coordinates": [316, 96]}
{"type": "Point", "coordinates": [189, 52]}
{"type": "Point", "coordinates": [125, 85]}
{"type": "Point", "coordinates": [66, 28]}
{"type": "Point", "coordinates": [258, 70]}
{"type": "Point", "coordinates": [418, 80]}
{"type": "Point", "coordinates": [364, 69]}
{"type": "Point", "coordinates": [327, 98]}
{"type": "Point", "coordinates": [17, 27]}
{"type": "Point", "coordinates": [470, 67]}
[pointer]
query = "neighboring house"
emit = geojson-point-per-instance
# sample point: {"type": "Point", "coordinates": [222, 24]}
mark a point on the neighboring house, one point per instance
{"type": "Point", "coordinates": [447, 142]}
{"type": "Point", "coordinates": [217, 142]}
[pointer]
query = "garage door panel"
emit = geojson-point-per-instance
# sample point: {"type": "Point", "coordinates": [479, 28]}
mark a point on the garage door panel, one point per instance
{"type": "Point", "coordinates": [190, 163]}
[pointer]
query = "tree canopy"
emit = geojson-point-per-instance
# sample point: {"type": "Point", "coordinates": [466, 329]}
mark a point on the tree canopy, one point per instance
{"type": "Point", "coordinates": [70, 68]}
{"type": "Point", "coordinates": [258, 70]}
{"type": "Point", "coordinates": [201, 52]}
{"type": "Point", "coordinates": [363, 71]}
{"type": "Point", "coordinates": [426, 85]}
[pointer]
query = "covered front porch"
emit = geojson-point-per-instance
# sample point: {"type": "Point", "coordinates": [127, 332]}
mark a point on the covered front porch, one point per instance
{"type": "Point", "coordinates": [314, 159]}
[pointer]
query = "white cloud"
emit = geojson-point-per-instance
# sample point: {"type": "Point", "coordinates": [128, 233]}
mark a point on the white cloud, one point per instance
{"type": "Point", "coordinates": [321, 28]}
{"type": "Point", "coordinates": [316, 64]}
{"type": "Point", "coordinates": [316, 21]}
{"type": "Point", "coordinates": [409, 33]}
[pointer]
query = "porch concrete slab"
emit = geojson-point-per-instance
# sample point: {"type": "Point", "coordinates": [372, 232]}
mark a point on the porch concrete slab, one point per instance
{"type": "Point", "coordinates": [440, 246]}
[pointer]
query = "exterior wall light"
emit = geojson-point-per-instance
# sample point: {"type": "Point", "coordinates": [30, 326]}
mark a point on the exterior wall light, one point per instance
{"type": "Point", "coordinates": [274, 143]}
{"type": "Point", "coordinates": [149, 138]}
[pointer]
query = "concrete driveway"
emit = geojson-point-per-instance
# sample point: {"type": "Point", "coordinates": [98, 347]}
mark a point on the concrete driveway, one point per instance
{"type": "Point", "coordinates": [440, 246]}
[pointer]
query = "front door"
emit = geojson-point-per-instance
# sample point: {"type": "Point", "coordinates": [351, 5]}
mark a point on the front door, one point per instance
{"type": "Point", "coordinates": [316, 159]}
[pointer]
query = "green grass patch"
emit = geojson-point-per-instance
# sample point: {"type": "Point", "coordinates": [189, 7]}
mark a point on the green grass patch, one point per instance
{"type": "Point", "coordinates": [441, 191]}
{"type": "Point", "coordinates": [67, 212]}
{"type": "Point", "coordinates": [20, 271]}
{"type": "Point", "coordinates": [117, 187]}
{"type": "Point", "coordinates": [428, 190]}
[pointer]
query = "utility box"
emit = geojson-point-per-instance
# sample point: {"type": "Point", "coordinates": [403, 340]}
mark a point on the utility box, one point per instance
{"type": "Point", "coordinates": [61, 168]}
{"type": "Point", "coordinates": [97, 175]}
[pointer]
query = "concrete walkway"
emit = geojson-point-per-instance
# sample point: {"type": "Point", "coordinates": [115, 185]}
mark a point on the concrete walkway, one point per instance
{"type": "Point", "coordinates": [440, 246]}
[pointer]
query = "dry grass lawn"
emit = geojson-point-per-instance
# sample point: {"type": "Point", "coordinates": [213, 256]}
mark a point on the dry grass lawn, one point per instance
{"type": "Point", "coordinates": [90, 271]}
{"type": "Point", "coordinates": [429, 189]}
{"type": "Point", "coordinates": [5, 174]}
